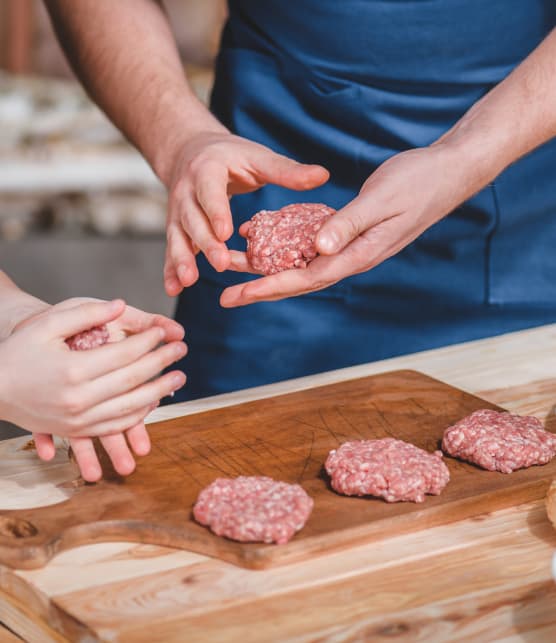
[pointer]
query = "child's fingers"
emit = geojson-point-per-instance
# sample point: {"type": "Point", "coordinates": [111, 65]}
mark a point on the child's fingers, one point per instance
{"type": "Point", "coordinates": [134, 321]}
{"type": "Point", "coordinates": [44, 445]}
{"type": "Point", "coordinates": [111, 357]}
{"type": "Point", "coordinates": [130, 377]}
{"type": "Point", "coordinates": [114, 425]}
{"type": "Point", "coordinates": [138, 439]}
{"type": "Point", "coordinates": [139, 398]}
{"type": "Point", "coordinates": [118, 451]}
{"type": "Point", "coordinates": [86, 458]}
{"type": "Point", "coordinates": [66, 323]}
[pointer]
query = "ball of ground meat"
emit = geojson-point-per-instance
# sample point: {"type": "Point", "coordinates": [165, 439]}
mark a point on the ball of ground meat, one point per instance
{"type": "Point", "coordinates": [500, 441]}
{"type": "Point", "coordinates": [283, 239]}
{"type": "Point", "coordinates": [387, 468]}
{"type": "Point", "coordinates": [253, 509]}
{"type": "Point", "coordinates": [89, 339]}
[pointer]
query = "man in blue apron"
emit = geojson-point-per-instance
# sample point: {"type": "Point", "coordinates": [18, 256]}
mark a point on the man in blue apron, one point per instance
{"type": "Point", "coordinates": [354, 86]}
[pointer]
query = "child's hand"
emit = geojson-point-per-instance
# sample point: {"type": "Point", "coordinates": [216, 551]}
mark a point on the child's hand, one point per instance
{"type": "Point", "coordinates": [50, 390]}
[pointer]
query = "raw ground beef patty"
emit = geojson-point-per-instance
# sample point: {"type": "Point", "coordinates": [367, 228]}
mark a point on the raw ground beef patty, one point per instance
{"type": "Point", "coordinates": [283, 239]}
{"type": "Point", "coordinates": [388, 468]}
{"type": "Point", "coordinates": [253, 509]}
{"type": "Point", "coordinates": [89, 339]}
{"type": "Point", "coordinates": [500, 441]}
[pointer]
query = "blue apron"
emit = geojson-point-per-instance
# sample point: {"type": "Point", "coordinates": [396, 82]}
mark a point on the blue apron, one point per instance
{"type": "Point", "coordinates": [347, 84]}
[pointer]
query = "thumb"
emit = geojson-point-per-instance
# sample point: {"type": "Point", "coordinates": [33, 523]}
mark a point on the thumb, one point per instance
{"type": "Point", "coordinates": [342, 228]}
{"type": "Point", "coordinates": [66, 323]}
{"type": "Point", "coordinates": [280, 170]}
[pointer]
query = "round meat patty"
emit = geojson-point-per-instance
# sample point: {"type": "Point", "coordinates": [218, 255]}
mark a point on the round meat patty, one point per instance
{"type": "Point", "coordinates": [388, 468]}
{"type": "Point", "coordinates": [283, 239]}
{"type": "Point", "coordinates": [253, 509]}
{"type": "Point", "coordinates": [500, 441]}
{"type": "Point", "coordinates": [89, 339]}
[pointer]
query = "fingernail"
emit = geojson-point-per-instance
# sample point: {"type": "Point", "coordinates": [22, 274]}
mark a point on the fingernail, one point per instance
{"type": "Point", "coordinates": [329, 242]}
{"type": "Point", "coordinates": [115, 304]}
{"type": "Point", "coordinates": [183, 273]}
{"type": "Point", "coordinates": [179, 350]}
{"type": "Point", "coordinates": [221, 229]}
{"type": "Point", "coordinates": [177, 381]}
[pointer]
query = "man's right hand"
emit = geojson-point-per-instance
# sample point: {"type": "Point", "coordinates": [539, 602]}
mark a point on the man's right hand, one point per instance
{"type": "Point", "coordinates": [214, 166]}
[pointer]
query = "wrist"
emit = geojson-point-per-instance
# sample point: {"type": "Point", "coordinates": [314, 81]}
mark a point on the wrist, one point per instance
{"type": "Point", "coordinates": [19, 307]}
{"type": "Point", "coordinates": [182, 123]}
{"type": "Point", "coordinates": [476, 160]}
{"type": "Point", "coordinates": [480, 147]}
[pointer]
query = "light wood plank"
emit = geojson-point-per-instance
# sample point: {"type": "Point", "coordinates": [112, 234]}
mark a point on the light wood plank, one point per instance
{"type": "Point", "coordinates": [417, 594]}
{"type": "Point", "coordinates": [28, 624]}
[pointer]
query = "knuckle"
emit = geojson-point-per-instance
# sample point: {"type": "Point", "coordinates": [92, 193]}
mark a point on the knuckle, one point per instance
{"type": "Point", "coordinates": [132, 380]}
{"type": "Point", "coordinates": [75, 422]}
{"type": "Point", "coordinates": [126, 411]}
{"type": "Point", "coordinates": [163, 359]}
{"type": "Point", "coordinates": [352, 226]}
{"type": "Point", "coordinates": [73, 405]}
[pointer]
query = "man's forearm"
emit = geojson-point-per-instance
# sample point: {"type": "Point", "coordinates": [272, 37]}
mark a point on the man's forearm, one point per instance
{"type": "Point", "coordinates": [125, 55]}
{"type": "Point", "coordinates": [15, 305]}
{"type": "Point", "coordinates": [514, 118]}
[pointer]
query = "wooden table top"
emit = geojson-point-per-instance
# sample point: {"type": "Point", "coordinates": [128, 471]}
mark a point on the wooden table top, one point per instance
{"type": "Point", "coordinates": [483, 579]}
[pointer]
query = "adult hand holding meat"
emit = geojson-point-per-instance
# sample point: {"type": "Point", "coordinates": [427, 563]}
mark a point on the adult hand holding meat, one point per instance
{"type": "Point", "coordinates": [402, 198]}
{"type": "Point", "coordinates": [213, 166]}
{"type": "Point", "coordinates": [200, 162]}
{"type": "Point", "coordinates": [415, 189]}
{"type": "Point", "coordinates": [49, 389]}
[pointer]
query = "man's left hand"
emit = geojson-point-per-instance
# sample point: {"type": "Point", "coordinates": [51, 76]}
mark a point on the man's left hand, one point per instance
{"type": "Point", "coordinates": [402, 198]}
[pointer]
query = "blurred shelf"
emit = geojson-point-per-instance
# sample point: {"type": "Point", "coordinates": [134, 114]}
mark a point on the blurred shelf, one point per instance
{"type": "Point", "coordinates": [79, 173]}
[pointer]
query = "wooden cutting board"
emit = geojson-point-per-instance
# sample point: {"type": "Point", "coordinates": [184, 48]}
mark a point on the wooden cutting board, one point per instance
{"type": "Point", "coordinates": [288, 438]}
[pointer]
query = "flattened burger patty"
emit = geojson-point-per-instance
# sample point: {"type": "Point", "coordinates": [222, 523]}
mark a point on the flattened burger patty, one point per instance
{"type": "Point", "coordinates": [89, 339]}
{"type": "Point", "coordinates": [253, 509]}
{"type": "Point", "coordinates": [388, 468]}
{"type": "Point", "coordinates": [283, 239]}
{"type": "Point", "coordinates": [500, 441]}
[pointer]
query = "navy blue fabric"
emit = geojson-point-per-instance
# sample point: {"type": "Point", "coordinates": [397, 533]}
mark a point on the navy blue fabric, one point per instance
{"type": "Point", "coordinates": [348, 84]}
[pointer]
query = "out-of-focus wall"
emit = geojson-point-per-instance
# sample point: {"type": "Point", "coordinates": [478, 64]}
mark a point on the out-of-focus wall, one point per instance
{"type": "Point", "coordinates": [76, 202]}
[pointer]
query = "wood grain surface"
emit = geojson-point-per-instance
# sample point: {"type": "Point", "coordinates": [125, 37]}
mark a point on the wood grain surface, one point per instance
{"type": "Point", "coordinates": [485, 578]}
{"type": "Point", "coordinates": [288, 438]}
{"type": "Point", "coordinates": [6, 636]}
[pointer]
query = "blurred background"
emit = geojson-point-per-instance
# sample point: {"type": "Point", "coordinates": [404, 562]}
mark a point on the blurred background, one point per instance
{"type": "Point", "coordinates": [81, 214]}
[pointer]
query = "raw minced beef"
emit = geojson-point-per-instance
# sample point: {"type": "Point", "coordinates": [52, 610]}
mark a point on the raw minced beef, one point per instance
{"type": "Point", "coordinates": [282, 239]}
{"type": "Point", "coordinates": [500, 441]}
{"type": "Point", "coordinates": [253, 509]}
{"type": "Point", "coordinates": [89, 339]}
{"type": "Point", "coordinates": [388, 468]}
